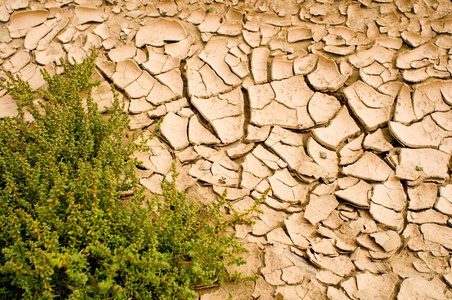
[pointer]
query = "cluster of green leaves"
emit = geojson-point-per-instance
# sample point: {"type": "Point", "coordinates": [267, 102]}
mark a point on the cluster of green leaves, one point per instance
{"type": "Point", "coordinates": [66, 229]}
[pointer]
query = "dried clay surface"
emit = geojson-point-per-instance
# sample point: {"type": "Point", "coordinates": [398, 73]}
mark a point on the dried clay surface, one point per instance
{"type": "Point", "coordinates": [342, 108]}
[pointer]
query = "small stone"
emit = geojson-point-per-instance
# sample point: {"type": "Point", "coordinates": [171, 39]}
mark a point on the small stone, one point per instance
{"type": "Point", "coordinates": [169, 8]}
{"type": "Point", "coordinates": [214, 173]}
{"type": "Point", "coordinates": [329, 161]}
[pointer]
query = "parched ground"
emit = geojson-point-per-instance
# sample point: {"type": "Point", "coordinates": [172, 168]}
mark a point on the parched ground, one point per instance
{"type": "Point", "coordinates": [342, 108]}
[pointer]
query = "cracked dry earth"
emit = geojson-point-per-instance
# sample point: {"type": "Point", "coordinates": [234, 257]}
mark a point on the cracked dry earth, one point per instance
{"type": "Point", "coordinates": [342, 108]}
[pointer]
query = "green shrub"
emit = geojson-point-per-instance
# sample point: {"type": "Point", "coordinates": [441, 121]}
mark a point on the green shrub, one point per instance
{"type": "Point", "coordinates": [65, 230]}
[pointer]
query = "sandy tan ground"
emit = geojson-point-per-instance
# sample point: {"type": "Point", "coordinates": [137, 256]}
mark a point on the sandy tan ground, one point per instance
{"type": "Point", "coordinates": [342, 108]}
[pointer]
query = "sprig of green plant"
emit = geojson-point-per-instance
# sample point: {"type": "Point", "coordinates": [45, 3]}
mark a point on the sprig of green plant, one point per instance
{"type": "Point", "coordinates": [67, 232]}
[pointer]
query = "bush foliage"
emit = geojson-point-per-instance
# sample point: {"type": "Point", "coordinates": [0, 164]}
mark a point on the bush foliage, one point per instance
{"type": "Point", "coordinates": [65, 230]}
